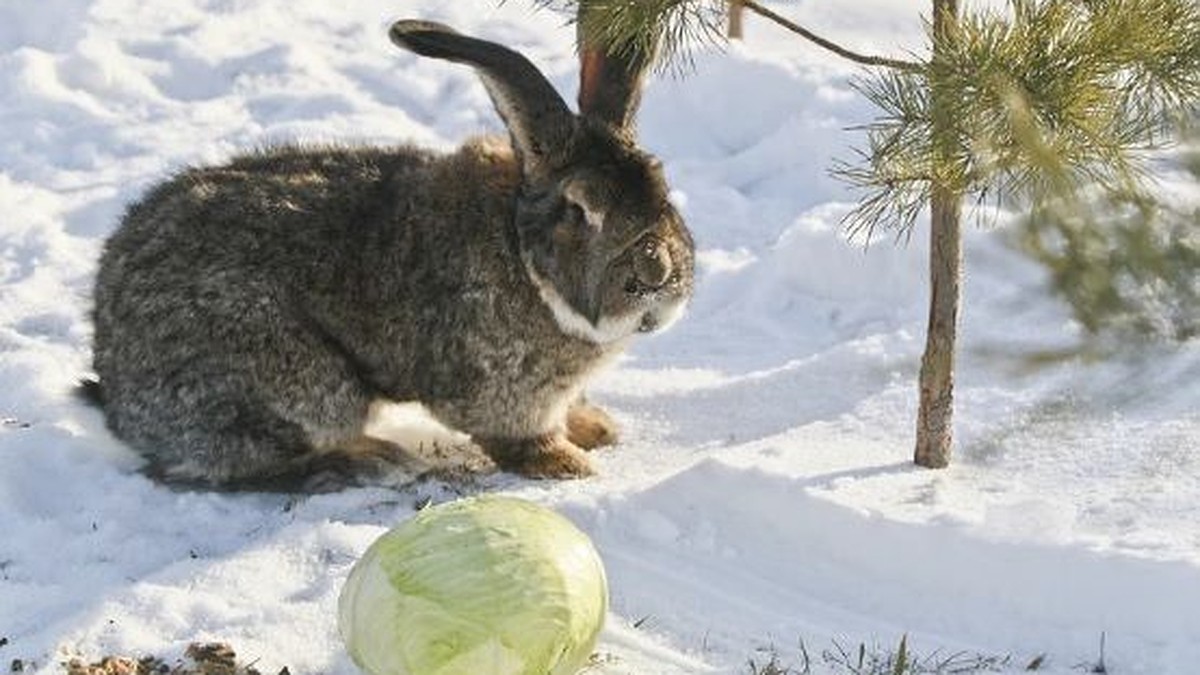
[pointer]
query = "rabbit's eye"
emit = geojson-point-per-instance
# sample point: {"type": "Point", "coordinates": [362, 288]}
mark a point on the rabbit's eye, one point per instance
{"type": "Point", "coordinates": [651, 267]}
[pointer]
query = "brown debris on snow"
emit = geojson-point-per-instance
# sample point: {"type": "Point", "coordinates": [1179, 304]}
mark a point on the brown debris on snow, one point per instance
{"type": "Point", "coordinates": [213, 658]}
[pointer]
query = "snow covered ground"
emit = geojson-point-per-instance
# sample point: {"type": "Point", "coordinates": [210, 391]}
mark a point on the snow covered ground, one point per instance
{"type": "Point", "coordinates": [762, 496]}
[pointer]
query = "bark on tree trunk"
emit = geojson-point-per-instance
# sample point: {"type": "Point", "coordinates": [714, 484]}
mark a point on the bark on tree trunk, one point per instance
{"type": "Point", "coordinates": [736, 11]}
{"type": "Point", "coordinates": [935, 414]}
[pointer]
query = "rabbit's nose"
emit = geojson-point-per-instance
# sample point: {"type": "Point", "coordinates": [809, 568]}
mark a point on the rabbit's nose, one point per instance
{"type": "Point", "coordinates": [652, 265]}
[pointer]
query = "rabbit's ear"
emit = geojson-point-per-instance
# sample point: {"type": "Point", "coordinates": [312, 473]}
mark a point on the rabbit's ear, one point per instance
{"type": "Point", "coordinates": [610, 84]}
{"type": "Point", "coordinates": [539, 121]}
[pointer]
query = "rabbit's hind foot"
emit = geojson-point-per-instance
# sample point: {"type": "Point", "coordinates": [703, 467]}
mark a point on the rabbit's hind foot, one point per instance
{"type": "Point", "coordinates": [364, 461]}
{"type": "Point", "coordinates": [548, 455]}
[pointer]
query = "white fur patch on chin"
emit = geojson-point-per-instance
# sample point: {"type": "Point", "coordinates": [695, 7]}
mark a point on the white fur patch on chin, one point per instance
{"type": "Point", "coordinates": [671, 314]}
{"type": "Point", "coordinates": [609, 330]}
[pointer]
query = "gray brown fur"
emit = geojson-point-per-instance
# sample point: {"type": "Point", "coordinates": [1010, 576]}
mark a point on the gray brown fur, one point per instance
{"type": "Point", "coordinates": [248, 315]}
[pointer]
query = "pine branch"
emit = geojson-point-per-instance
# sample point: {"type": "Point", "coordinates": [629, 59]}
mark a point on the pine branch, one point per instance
{"type": "Point", "coordinates": [1059, 97]}
{"type": "Point", "coordinates": [864, 59]}
{"type": "Point", "coordinates": [670, 28]}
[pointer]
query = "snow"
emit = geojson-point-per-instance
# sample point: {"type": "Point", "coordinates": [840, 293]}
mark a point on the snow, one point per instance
{"type": "Point", "coordinates": [762, 496]}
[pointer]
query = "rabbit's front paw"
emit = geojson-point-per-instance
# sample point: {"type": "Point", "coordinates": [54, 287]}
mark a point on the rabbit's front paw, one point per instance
{"type": "Point", "coordinates": [589, 427]}
{"type": "Point", "coordinates": [545, 456]}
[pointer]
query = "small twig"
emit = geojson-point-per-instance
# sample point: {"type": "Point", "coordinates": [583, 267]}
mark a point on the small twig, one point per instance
{"type": "Point", "coordinates": [1100, 667]}
{"type": "Point", "coordinates": [864, 59]}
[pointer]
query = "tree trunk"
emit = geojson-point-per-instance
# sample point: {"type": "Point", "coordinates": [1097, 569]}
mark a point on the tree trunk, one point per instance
{"type": "Point", "coordinates": [736, 11]}
{"type": "Point", "coordinates": [934, 417]}
{"type": "Point", "coordinates": [935, 414]}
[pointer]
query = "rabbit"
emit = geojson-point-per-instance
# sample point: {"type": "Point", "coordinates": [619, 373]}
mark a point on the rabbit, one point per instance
{"type": "Point", "coordinates": [248, 316]}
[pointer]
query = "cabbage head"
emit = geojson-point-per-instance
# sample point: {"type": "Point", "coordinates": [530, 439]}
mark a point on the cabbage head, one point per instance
{"type": "Point", "coordinates": [487, 585]}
